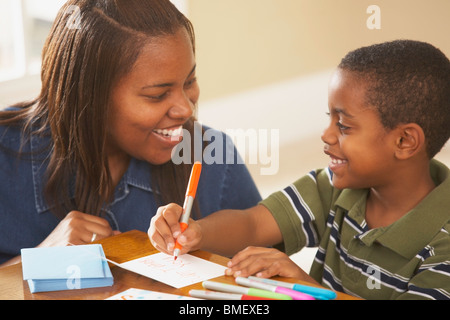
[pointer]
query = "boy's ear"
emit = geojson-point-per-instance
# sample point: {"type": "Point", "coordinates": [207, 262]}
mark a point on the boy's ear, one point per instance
{"type": "Point", "coordinates": [409, 140]}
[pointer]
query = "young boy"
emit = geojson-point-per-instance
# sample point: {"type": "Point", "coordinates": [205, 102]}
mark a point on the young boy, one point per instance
{"type": "Point", "coordinates": [380, 213]}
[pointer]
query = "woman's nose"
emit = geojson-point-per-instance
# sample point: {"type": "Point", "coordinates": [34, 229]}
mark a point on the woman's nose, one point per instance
{"type": "Point", "coordinates": [182, 108]}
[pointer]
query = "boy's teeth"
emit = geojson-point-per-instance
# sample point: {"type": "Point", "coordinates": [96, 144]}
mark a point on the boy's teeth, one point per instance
{"type": "Point", "coordinates": [338, 161]}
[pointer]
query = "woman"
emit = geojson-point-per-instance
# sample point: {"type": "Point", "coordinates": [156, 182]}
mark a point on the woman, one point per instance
{"type": "Point", "coordinates": [91, 156]}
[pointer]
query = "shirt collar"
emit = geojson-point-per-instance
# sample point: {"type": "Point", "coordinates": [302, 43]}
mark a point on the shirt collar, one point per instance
{"type": "Point", "coordinates": [429, 216]}
{"type": "Point", "coordinates": [138, 175]}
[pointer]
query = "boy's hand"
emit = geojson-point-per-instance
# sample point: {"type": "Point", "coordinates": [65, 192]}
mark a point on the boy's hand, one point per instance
{"type": "Point", "coordinates": [165, 229]}
{"type": "Point", "coordinates": [264, 263]}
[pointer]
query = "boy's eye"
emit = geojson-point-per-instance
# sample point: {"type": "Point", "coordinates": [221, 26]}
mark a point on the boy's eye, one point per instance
{"type": "Point", "coordinates": [341, 126]}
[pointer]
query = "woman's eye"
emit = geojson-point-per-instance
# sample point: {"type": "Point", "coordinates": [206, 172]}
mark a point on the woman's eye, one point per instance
{"type": "Point", "coordinates": [189, 83]}
{"type": "Point", "coordinates": [157, 98]}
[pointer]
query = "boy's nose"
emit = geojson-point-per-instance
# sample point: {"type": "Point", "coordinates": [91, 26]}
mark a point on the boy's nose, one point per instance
{"type": "Point", "coordinates": [329, 136]}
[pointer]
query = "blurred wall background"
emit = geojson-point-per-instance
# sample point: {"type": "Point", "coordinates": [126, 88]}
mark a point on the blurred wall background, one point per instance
{"type": "Point", "coordinates": [266, 64]}
{"type": "Point", "coordinates": [243, 44]}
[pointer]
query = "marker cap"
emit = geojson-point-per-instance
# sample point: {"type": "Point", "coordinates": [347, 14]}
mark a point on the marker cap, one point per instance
{"type": "Point", "coordinates": [193, 180]}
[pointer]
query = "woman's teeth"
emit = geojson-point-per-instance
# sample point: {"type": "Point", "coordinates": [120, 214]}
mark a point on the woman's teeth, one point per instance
{"type": "Point", "coordinates": [169, 133]}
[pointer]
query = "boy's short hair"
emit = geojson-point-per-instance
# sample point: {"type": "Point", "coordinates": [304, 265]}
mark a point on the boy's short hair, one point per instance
{"type": "Point", "coordinates": [407, 82]}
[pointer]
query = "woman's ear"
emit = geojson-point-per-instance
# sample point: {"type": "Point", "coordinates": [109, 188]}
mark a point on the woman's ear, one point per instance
{"type": "Point", "coordinates": [409, 141]}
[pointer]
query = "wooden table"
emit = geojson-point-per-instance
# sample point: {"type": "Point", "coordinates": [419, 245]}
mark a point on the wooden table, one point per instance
{"type": "Point", "coordinates": [120, 248]}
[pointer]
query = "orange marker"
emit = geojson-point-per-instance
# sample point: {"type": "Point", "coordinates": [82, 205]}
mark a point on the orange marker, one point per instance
{"type": "Point", "coordinates": [188, 201]}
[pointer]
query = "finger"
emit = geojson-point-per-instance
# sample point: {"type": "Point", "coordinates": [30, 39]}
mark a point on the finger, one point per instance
{"type": "Point", "coordinates": [283, 267]}
{"type": "Point", "coordinates": [246, 268]}
{"type": "Point", "coordinates": [253, 260]}
{"type": "Point", "coordinates": [88, 228]}
{"type": "Point", "coordinates": [95, 219]}
{"type": "Point", "coordinates": [160, 232]}
{"type": "Point", "coordinates": [159, 244]}
{"type": "Point", "coordinates": [191, 237]}
{"type": "Point", "coordinates": [100, 227]}
{"type": "Point", "coordinates": [95, 231]}
{"type": "Point", "coordinates": [185, 246]}
{"type": "Point", "coordinates": [246, 253]}
{"type": "Point", "coordinates": [240, 261]}
{"type": "Point", "coordinates": [80, 218]}
{"type": "Point", "coordinates": [270, 269]}
{"type": "Point", "coordinates": [171, 214]}
{"type": "Point", "coordinates": [155, 238]}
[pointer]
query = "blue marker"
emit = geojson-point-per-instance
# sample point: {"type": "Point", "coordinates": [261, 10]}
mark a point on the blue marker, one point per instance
{"type": "Point", "coordinates": [318, 293]}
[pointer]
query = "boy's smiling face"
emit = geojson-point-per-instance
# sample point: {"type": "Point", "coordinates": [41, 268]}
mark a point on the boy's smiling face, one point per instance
{"type": "Point", "coordinates": [360, 148]}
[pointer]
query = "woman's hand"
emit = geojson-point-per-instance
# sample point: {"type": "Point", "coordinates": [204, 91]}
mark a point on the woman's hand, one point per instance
{"type": "Point", "coordinates": [165, 229]}
{"type": "Point", "coordinates": [265, 263]}
{"type": "Point", "coordinates": [78, 228]}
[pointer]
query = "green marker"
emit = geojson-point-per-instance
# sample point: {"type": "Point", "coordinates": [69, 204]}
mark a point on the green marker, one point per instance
{"type": "Point", "coordinates": [242, 290]}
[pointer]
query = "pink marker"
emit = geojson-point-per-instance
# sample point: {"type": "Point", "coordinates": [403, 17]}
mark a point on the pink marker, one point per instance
{"type": "Point", "coordinates": [296, 295]}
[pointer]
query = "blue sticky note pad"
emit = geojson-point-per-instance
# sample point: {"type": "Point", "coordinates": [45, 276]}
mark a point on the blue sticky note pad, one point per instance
{"type": "Point", "coordinates": [65, 268]}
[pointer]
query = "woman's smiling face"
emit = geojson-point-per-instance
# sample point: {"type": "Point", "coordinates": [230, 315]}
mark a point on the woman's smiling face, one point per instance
{"type": "Point", "coordinates": [152, 102]}
{"type": "Point", "coordinates": [360, 148]}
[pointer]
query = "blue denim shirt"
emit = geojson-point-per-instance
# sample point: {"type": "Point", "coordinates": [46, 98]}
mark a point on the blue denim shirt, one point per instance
{"type": "Point", "coordinates": [25, 218]}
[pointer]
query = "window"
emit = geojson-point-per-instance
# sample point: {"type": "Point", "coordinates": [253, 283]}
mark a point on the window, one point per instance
{"type": "Point", "coordinates": [28, 23]}
{"type": "Point", "coordinates": [11, 46]}
{"type": "Point", "coordinates": [24, 25]}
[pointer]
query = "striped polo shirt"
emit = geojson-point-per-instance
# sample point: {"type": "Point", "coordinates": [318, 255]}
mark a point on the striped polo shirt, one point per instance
{"type": "Point", "coordinates": [409, 259]}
